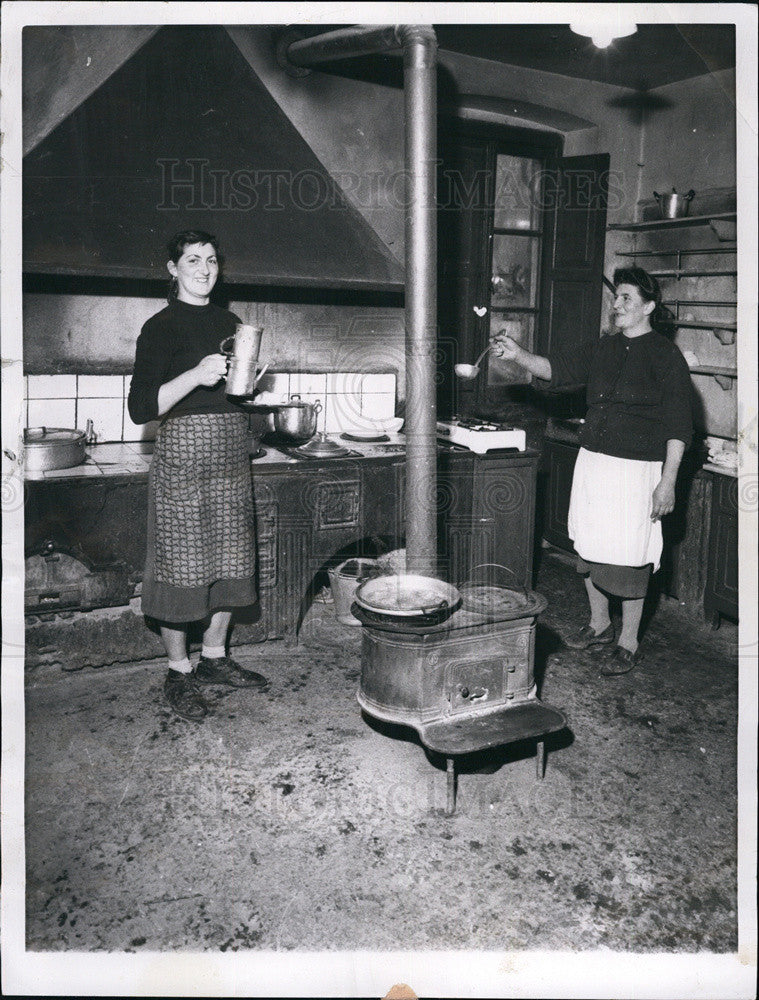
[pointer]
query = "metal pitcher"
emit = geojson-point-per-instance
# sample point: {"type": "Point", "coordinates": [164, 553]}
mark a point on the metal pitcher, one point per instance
{"type": "Point", "coordinates": [243, 359]}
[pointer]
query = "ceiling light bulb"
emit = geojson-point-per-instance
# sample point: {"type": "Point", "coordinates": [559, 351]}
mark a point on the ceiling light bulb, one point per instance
{"type": "Point", "coordinates": [602, 33]}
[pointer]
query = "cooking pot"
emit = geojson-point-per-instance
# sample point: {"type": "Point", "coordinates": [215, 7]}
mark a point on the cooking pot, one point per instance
{"type": "Point", "coordinates": [674, 206]}
{"type": "Point", "coordinates": [53, 448]}
{"type": "Point", "coordinates": [296, 420]}
{"type": "Point", "coordinates": [408, 597]}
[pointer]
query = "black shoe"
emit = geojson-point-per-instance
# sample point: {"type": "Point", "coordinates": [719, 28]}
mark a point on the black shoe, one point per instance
{"type": "Point", "coordinates": [225, 670]}
{"type": "Point", "coordinates": [587, 637]}
{"type": "Point", "coordinates": [620, 662]}
{"type": "Point", "coordinates": [181, 692]}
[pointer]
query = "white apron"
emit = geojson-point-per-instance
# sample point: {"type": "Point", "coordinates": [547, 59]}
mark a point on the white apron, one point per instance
{"type": "Point", "coordinates": [610, 510]}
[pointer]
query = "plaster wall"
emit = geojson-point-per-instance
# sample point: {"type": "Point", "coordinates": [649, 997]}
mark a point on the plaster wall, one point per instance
{"type": "Point", "coordinates": [96, 334]}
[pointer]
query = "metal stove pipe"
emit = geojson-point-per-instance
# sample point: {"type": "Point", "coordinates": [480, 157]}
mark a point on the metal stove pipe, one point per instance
{"type": "Point", "coordinates": [419, 46]}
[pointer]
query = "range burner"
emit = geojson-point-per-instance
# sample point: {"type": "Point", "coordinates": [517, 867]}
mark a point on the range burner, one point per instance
{"type": "Point", "coordinates": [481, 436]}
{"type": "Point", "coordinates": [303, 456]}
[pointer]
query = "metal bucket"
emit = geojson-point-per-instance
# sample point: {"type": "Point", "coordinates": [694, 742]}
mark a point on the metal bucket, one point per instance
{"type": "Point", "coordinates": [343, 581]}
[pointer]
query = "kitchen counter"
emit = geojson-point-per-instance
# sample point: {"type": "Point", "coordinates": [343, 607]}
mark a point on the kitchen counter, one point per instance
{"type": "Point", "coordinates": [134, 458]}
{"type": "Point", "coordinates": [310, 514]}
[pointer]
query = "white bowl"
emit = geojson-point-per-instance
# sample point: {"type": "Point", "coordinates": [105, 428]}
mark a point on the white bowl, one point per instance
{"type": "Point", "coordinates": [390, 425]}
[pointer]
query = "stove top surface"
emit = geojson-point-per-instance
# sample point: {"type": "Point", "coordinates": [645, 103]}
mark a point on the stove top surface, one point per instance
{"type": "Point", "coordinates": [474, 424]}
{"type": "Point", "coordinates": [304, 456]}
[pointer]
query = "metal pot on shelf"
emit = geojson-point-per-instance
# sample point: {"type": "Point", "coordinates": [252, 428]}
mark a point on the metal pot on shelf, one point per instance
{"type": "Point", "coordinates": [674, 206]}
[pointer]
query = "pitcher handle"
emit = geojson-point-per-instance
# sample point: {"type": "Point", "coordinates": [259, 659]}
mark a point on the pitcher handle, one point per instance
{"type": "Point", "coordinates": [226, 350]}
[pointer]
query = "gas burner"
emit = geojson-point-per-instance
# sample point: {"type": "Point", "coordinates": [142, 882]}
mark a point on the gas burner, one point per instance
{"type": "Point", "coordinates": [481, 425]}
{"type": "Point", "coordinates": [482, 436]}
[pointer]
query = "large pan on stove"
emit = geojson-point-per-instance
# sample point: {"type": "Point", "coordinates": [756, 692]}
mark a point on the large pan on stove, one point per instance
{"type": "Point", "coordinates": [408, 598]}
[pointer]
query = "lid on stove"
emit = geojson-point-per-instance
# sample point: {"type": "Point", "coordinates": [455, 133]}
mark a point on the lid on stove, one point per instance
{"type": "Point", "coordinates": [321, 447]}
{"type": "Point", "coordinates": [501, 603]}
{"type": "Point", "coordinates": [490, 592]}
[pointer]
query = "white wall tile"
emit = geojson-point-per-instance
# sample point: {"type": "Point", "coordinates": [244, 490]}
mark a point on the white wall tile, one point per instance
{"type": "Point", "coordinates": [343, 411]}
{"type": "Point", "coordinates": [348, 382]}
{"type": "Point", "coordinates": [138, 432]}
{"type": "Point", "coordinates": [52, 413]}
{"type": "Point", "coordinates": [100, 386]}
{"type": "Point", "coordinates": [274, 387]}
{"type": "Point", "coordinates": [308, 384]}
{"type": "Point", "coordinates": [377, 405]}
{"type": "Point", "coordinates": [106, 416]}
{"type": "Point", "coordinates": [384, 382]}
{"type": "Point", "coordinates": [52, 386]}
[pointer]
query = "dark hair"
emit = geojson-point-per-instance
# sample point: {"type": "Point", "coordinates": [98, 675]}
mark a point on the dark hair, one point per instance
{"type": "Point", "coordinates": [648, 286]}
{"type": "Point", "coordinates": [176, 247]}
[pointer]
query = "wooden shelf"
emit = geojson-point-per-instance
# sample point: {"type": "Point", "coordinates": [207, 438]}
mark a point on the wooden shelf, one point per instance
{"type": "Point", "coordinates": [693, 274]}
{"type": "Point", "coordinates": [674, 252]}
{"type": "Point", "coordinates": [686, 220]}
{"type": "Point", "coordinates": [724, 377]}
{"type": "Point", "coordinates": [692, 324]}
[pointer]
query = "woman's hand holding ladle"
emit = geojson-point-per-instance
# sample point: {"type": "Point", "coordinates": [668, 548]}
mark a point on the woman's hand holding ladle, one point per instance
{"type": "Point", "coordinates": [471, 371]}
{"type": "Point", "coordinates": [506, 348]}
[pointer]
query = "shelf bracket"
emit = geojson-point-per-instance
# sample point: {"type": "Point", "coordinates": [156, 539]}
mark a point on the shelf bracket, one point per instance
{"type": "Point", "coordinates": [724, 336]}
{"type": "Point", "coordinates": [723, 381]}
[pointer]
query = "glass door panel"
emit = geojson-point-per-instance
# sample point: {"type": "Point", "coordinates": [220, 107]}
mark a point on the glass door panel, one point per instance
{"type": "Point", "coordinates": [514, 273]}
{"type": "Point", "coordinates": [517, 192]}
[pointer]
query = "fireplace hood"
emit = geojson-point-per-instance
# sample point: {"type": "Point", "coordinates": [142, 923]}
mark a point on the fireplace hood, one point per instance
{"type": "Point", "coordinates": [184, 135]}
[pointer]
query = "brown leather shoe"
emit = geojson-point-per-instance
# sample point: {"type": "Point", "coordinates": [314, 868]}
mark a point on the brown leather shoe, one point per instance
{"type": "Point", "coordinates": [181, 693]}
{"type": "Point", "coordinates": [587, 637]}
{"type": "Point", "coordinates": [225, 670]}
{"type": "Point", "coordinates": [620, 662]}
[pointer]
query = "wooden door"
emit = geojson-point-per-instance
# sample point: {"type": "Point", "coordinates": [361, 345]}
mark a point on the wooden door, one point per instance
{"type": "Point", "coordinates": [574, 251]}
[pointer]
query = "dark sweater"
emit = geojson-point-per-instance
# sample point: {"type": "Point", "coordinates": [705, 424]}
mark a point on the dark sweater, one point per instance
{"type": "Point", "coordinates": [638, 391]}
{"type": "Point", "coordinates": [170, 343]}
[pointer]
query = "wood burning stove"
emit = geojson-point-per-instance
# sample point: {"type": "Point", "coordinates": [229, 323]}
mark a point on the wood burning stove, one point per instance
{"type": "Point", "coordinates": [464, 684]}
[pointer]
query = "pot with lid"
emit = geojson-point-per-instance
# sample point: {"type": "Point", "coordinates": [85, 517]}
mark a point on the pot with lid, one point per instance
{"type": "Point", "coordinates": [296, 420]}
{"type": "Point", "coordinates": [50, 448]}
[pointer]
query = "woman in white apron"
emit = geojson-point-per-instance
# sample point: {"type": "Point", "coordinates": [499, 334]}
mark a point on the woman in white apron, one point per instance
{"type": "Point", "coordinates": [635, 433]}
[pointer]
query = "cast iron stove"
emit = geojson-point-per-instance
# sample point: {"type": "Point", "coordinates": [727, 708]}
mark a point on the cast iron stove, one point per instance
{"type": "Point", "coordinates": [465, 685]}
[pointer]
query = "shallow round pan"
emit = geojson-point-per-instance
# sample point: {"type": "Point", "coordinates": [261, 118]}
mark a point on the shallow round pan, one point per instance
{"type": "Point", "coordinates": [407, 595]}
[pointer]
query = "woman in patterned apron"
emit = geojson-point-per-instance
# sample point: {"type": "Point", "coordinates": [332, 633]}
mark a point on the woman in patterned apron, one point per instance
{"type": "Point", "coordinates": [636, 430]}
{"type": "Point", "coordinates": [201, 551]}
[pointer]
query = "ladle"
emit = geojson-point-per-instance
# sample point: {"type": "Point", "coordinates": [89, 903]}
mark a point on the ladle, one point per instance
{"type": "Point", "coordinates": [469, 372]}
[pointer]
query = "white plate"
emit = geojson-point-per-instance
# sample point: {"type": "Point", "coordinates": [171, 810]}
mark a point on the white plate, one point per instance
{"type": "Point", "coordinates": [376, 434]}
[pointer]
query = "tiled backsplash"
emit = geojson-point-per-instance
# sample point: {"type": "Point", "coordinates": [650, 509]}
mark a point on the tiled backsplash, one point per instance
{"type": "Point", "coordinates": [350, 400]}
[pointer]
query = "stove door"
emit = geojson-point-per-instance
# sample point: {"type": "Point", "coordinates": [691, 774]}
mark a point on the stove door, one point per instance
{"type": "Point", "coordinates": [473, 684]}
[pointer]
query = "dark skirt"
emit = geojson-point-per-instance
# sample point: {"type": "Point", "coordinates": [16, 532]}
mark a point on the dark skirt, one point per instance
{"type": "Point", "coordinates": [201, 547]}
{"type": "Point", "coordinates": [628, 582]}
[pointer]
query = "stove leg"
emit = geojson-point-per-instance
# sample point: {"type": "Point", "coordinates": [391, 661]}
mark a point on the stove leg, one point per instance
{"type": "Point", "coordinates": [450, 768]}
{"type": "Point", "coordinates": [541, 759]}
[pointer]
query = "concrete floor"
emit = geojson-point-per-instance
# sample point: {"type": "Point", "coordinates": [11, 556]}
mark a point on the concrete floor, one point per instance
{"type": "Point", "coordinates": [288, 821]}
